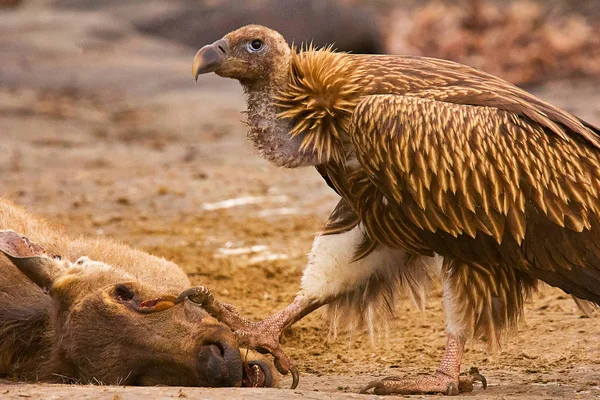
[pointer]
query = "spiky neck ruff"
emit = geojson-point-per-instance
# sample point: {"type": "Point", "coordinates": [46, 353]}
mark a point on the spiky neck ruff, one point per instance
{"type": "Point", "coordinates": [301, 115]}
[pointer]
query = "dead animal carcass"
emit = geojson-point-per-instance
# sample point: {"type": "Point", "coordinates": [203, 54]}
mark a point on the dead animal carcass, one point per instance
{"type": "Point", "coordinates": [94, 310]}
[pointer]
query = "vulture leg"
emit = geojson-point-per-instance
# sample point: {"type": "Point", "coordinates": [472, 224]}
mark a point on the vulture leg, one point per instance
{"type": "Point", "coordinates": [330, 274]}
{"type": "Point", "coordinates": [446, 379]}
{"type": "Point", "coordinates": [480, 301]}
{"type": "Point", "coordinates": [263, 335]}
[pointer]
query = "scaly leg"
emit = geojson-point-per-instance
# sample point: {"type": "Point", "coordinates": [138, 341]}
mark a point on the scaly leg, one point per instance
{"type": "Point", "coordinates": [446, 380]}
{"type": "Point", "coordinates": [460, 317]}
{"type": "Point", "coordinates": [263, 335]}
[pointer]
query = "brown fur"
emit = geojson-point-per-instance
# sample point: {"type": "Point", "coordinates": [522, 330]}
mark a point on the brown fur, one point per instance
{"type": "Point", "coordinates": [81, 330]}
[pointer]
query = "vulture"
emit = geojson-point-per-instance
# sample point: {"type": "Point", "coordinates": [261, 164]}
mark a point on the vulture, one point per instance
{"type": "Point", "coordinates": [440, 168]}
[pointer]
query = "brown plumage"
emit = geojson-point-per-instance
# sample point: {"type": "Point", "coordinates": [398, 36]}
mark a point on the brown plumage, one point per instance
{"type": "Point", "coordinates": [430, 158]}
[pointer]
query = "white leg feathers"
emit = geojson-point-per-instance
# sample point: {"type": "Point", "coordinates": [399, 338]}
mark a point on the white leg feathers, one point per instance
{"type": "Point", "coordinates": [330, 273]}
{"type": "Point", "coordinates": [455, 322]}
{"type": "Point", "coordinates": [365, 290]}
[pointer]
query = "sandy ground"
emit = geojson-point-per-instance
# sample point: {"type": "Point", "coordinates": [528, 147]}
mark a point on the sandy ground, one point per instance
{"type": "Point", "coordinates": [103, 130]}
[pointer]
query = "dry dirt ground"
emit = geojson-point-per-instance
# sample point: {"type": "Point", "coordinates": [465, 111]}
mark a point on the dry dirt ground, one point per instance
{"type": "Point", "coordinates": [103, 130]}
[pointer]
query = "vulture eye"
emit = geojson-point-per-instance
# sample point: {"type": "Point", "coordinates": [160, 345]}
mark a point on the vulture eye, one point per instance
{"type": "Point", "coordinates": [255, 45]}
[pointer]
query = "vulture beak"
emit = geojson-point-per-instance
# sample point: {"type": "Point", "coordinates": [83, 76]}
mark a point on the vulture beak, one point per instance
{"type": "Point", "coordinates": [210, 57]}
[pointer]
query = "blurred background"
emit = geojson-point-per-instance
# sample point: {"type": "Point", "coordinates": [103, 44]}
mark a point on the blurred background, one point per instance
{"type": "Point", "coordinates": [103, 130]}
{"type": "Point", "coordinates": [523, 41]}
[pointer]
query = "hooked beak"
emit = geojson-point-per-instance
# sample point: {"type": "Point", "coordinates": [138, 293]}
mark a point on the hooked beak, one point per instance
{"type": "Point", "coordinates": [210, 57]}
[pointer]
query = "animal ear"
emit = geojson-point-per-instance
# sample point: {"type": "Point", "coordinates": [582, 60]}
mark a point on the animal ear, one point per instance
{"type": "Point", "coordinates": [31, 259]}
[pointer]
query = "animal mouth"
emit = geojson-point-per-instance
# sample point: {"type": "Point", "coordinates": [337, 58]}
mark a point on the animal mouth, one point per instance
{"type": "Point", "coordinates": [155, 305]}
{"type": "Point", "coordinates": [256, 374]}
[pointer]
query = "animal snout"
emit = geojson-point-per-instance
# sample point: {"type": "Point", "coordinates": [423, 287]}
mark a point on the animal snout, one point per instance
{"type": "Point", "coordinates": [219, 362]}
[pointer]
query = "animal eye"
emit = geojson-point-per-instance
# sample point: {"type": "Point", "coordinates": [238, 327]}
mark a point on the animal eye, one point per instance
{"type": "Point", "coordinates": [255, 45]}
{"type": "Point", "coordinates": [123, 293]}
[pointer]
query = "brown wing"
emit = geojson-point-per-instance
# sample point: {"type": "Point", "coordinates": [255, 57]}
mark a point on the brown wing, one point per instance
{"type": "Point", "coordinates": [451, 82]}
{"type": "Point", "coordinates": [484, 185]}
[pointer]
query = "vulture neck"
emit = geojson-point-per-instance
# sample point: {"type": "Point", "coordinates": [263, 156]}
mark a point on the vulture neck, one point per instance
{"type": "Point", "coordinates": [317, 101]}
{"type": "Point", "coordinates": [269, 133]}
{"type": "Point", "coordinates": [300, 115]}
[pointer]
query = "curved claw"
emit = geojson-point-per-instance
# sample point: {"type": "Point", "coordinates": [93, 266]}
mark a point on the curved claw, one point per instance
{"type": "Point", "coordinates": [371, 385]}
{"type": "Point", "coordinates": [282, 363]}
{"type": "Point", "coordinates": [479, 378]}
{"type": "Point", "coordinates": [200, 295]}
{"type": "Point", "coordinates": [295, 377]}
{"type": "Point", "coordinates": [250, 335]}
{"type": "Point", "coordinates": [438, 383]}
{"type": "Point", "coordinates": [466, 383]}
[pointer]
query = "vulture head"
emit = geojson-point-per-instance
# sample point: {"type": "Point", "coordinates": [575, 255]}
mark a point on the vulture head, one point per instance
{"type": "Point", "coordinates": [299, 100]}
{"type": "Point", "coordinates": [251, 54]}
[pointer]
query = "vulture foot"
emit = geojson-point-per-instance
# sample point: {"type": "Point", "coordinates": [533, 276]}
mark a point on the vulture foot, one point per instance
{"type": "Point", "coordinates": [261, 336]}
{"type": "Point", "coordinates": [437, 383]}
{"type": "Point", "coordinates": [264, 337]}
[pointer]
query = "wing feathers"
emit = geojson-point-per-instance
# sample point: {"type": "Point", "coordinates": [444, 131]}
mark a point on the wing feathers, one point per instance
{"type": "Point", "coordinates": [452, 172]}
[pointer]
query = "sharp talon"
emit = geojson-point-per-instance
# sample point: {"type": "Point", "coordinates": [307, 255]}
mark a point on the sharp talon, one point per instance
{"type": "Point", "coordinates": [479, 378]}
{"type": "Point", "coordinates": [295, 377]}
{"type": "Point", "coordinates": [452, 389]}
{"type": "Point", "coordinates": [200, 295]}
{"type": "Point", "coordinates": [262, 350]}
{"type": "Point", "coordinates": [370, 385]}
{"type": "Point", "coordinates": [185, 295]}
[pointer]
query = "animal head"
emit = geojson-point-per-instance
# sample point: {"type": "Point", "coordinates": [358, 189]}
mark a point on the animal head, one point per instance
{"type": "Point", "coordinates": [299, 103]}
{"type": "Point", "coordinates": [107, 326]}
{"type": "Point", "coordinates": [251, 54]}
